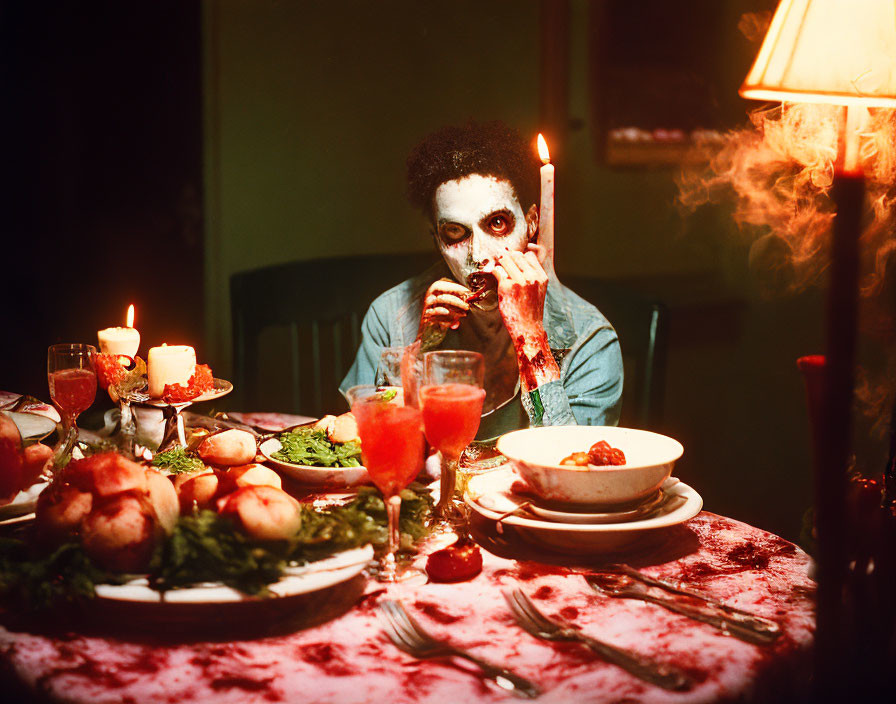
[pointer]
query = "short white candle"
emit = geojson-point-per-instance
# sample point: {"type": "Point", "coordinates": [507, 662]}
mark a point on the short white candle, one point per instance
{"type": "Point", "coordinates": [169, 364]}
{"type": "Point", "coordinates": [119, 341]}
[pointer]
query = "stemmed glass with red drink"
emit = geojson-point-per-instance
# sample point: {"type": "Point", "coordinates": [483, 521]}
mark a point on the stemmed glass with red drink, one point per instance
{"type": "Point", "coordinates": [72, 380]}
{"type": "Point", "coordinates": [392, 451]}
{"type": "Point", "coordinates": [451, 398]}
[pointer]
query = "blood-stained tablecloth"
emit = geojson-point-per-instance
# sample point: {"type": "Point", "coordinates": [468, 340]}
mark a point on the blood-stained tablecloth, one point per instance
{"type": "Point", "coordinates": [348, 658]}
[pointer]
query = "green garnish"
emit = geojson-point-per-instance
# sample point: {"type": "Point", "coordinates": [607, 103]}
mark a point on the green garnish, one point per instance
{"type": "Point", "coordinates": [177, 461]}
{"type": "Point", "coordinates": [311, 447]}
{"type": "Point", "coordinates": [387, 395]}
{"type": "Point", "coordinates": [206, 547]}
{"type": "Point", "coordinates": [40, 580]}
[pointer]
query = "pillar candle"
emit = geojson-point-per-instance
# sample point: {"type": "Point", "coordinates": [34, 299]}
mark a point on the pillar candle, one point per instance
{"type": "Point", "coordinates": [169, 364]}
{"type": "Point", "coordinates": [119, 341]}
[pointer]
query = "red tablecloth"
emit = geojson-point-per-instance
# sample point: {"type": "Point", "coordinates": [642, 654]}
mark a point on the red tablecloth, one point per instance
{"type": "Point", "coordinates": [348, 659]}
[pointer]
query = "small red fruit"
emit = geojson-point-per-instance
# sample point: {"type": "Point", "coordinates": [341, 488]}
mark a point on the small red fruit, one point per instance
{"type": "Point", "coordinates": [458, 562]}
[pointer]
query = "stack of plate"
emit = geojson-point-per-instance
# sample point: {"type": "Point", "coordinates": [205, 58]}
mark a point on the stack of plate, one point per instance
{"type": "Point", "coordinates": [499, 496]}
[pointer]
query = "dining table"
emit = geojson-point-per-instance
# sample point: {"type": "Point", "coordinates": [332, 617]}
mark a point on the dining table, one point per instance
{"type": "Point", "coordinates": [330, 646]}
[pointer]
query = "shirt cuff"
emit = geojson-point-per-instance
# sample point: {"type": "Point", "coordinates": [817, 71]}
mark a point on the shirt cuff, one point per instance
{"type": "Point", "coordinates": [548, 405]}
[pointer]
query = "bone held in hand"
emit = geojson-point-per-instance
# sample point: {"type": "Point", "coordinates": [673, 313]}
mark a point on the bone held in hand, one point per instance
{"type": "Point", "coordinates": [481, 282]}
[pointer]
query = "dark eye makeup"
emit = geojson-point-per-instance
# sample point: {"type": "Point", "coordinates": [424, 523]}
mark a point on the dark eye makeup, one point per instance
{"type": "Point", "coordinates": [499, 223]}
{"type": "Point", "coordinates": [451, 232]}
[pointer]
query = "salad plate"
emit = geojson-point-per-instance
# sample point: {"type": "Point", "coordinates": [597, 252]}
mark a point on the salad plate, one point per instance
{"type": "Point", "coordinates": [312, 475]}
{"type": "Point", "coordinates": [491, 496]}
{"type": "Point", "coordinates": [23, 504]}
{"type": "Point", "coordinates": [32, 426]}
{"type": "Point", "coordinates": [296, 581]}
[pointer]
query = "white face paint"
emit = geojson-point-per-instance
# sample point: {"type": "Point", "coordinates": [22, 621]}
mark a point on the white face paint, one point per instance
{"type": "Point", "coordinates": [478, 218]}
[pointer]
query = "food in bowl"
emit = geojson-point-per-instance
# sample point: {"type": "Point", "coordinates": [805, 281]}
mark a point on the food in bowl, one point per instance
{"type": "Point", "coordinates": [534, 454]}
{"type": "Point", "coordinates": [601, 454]}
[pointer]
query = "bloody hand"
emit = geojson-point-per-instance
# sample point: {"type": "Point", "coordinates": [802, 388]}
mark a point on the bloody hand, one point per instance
{"type": "Point", "coordinates": [443, 307]}
{"type": "Point", "coordinates": [522, 287]}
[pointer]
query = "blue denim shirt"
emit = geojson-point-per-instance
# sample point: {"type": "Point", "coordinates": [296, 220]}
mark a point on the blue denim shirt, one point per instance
{"type": "Point", "coordinates": [584, 344]}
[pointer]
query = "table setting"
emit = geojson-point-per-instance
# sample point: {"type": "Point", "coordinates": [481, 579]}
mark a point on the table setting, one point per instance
{"type": "Point", "coordinates": [263, 556]}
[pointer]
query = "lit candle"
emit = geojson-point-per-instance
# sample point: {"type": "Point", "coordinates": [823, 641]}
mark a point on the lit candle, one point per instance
{"type": "Point", "coordinates": [546, 209]}
{"type": "Point", "coordinates": [120, 340]}
{"type": "Point", "coordinates": [169, 364]}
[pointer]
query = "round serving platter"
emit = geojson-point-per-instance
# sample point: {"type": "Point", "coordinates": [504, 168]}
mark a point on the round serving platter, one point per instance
{"type": "Point", "coordinates": [314, 476]}
{"type": "Point", "coordinates": [222, 388]}
{"type": "Point", "coordinates": [296, 581]}
{"type": "Point", "coordinates": [491, 496]}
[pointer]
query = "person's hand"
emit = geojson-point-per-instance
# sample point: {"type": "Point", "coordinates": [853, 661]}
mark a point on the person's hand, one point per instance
{"type": "Point", "coordinates": [444, 305]}
{"type": "Point", "coordinates": [522, 287]}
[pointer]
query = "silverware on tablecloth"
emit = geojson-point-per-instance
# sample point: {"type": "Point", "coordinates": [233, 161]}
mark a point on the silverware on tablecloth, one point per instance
{"type": "Point", "coordinates": [410, 637]}
{"type": "Point", "coordinates": [625, 582]}
{"type": "Point", "coordinates": [536, 623]}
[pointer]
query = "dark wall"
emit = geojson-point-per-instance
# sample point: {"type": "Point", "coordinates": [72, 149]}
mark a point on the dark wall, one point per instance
{"type": "Point", "coordinates": [102, 164]}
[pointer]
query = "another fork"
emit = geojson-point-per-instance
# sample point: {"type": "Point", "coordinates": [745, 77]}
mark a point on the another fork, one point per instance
{"type": "Point", "coordinates": [410, 637]}
{"type": "Point", "coordinates": [536, 623]}
{"type": "Point", "coordinates": [727, 619]}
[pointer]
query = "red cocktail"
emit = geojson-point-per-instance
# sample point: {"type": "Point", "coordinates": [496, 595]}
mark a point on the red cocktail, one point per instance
{"type": "Point", "coordinates": [391, 444]}
{"type": "Point", "coordinates": [71, 375]}
{"type": "Point", "coordinates": [451, 414]}
{"type": "Point", "coordinates": [451, 397]}
{"type": "Point", "coordinates": [73, 390]}
{"type": "Point", "coordinates": [392, 450]}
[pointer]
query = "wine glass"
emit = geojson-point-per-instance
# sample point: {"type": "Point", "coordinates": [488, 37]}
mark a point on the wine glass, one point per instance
{"type": "Point", "coordinates": [401, 367]}
{"type": "Point", "coordinates": [72, 379]}
{"type": "Point", "coordinates": [392, 450]}
{"type": "Point", "coordinates": [451, 398]}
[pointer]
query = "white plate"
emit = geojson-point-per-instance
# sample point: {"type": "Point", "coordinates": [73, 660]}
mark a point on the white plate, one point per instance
{"type": "Point", "coordinates": [298, 580]}
{"type": "Point", "coordinates": [644, 509]}
{"type": "Point", "coordinates": [490, 496]}
{"type": "Point", "coordinates": [32, 426]}
{"type": "Point", "coordinates": [24, 503]}
{"type": "Point", "coordinates": [314, 476]}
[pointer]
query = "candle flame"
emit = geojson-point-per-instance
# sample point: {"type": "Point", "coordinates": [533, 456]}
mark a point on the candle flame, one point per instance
{"type": "Point", "coordinates": [130, 317]}
{"type": "Point", "coordinates": [543, 152]}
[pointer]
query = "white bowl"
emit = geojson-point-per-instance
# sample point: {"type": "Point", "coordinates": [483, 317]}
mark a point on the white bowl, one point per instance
{"type": "Point", "coordinates": [536, 454]}
{"type": "Point", "coordinates": [325, 477]}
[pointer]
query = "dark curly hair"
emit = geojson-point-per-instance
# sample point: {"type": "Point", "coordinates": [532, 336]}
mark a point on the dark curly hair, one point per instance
{"type": "Point", "coordinates": [485, 148]}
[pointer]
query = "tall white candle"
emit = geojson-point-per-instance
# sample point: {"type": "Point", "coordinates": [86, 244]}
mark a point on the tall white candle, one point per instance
{"type": "Point", "coordinates": [546, 207]}
{"type": "Point", "coordinates": [169, 364]}
{"type": "Point", "coordinates": [120, 340]}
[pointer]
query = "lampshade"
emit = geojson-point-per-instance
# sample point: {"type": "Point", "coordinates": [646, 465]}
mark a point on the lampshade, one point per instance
{"type": "Point", "coordinates": [828, 51]}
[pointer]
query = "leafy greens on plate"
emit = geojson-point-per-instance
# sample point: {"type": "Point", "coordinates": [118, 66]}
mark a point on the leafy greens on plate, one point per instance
{"type": "Point", "coordinates": [310, 447]}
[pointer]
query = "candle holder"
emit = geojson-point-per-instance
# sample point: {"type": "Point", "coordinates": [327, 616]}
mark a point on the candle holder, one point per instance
{"type": "Point", "coordinates": [174, 435]}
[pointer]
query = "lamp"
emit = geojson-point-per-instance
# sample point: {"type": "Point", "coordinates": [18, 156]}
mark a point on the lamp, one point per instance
{"type": "Point", "coordinates": [840, 52]}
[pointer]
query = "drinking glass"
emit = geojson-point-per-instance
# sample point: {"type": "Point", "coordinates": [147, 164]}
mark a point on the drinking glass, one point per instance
{"type": "Point", "coordinates": [392, 450]}
{"type": "Point", "coordinates": [451, 398]}
{"type": "Point", "coordinates": [401, 367]}
{"type": "Point", "coordinates": [72, 380]}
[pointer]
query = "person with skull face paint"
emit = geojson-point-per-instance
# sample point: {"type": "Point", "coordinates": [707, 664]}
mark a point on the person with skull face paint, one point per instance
{"type": "Point", "coordinates": [551, 358]}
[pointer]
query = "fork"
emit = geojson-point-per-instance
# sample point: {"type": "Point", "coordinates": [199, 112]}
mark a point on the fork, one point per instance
{"type": "Point", "coordinates": [537, 624]}
{"type": "Point", "coordinates": [409, 636]}
{"type": "Point", "coordinates": [735, 622]}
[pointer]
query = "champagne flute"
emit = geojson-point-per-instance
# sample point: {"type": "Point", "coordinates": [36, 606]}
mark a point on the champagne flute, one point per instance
{"type": "Point", "coordinates": [72, 380]}
{"type": "Point", "coordinates": [451, 398]}
{"type": "Point", "coordinates": [392, 450]}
